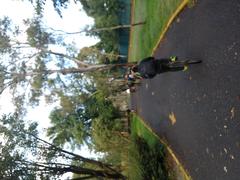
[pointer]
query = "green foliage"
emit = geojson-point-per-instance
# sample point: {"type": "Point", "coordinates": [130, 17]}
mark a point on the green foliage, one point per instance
{"type": "Point", "coordinates": [156, 14]}
{"type": "Point", "coordinates": [110, 83]}
{"type": "Point", "coordinates": [101, 107]}
{"type": "Point", "coordinates": [7, 30]}
{"type": "Point", "coordinates": [107, 138]}
{"type": "Point", "coordinates": [147, 155]}
{"type": "Point", "coordinates": [26, 156]}
{"type": "Point", "coordinates": [151, 160]}
{"type": "Point", "coordinates": [26, 63]}
{"type": "Point", "coordinates": [36, 36]}
{"type": "Point", "coordinates": [94, 55]}
{"type": "Point", "coordinates": [67, 127]}
{"type": "Point", "coordinates": [72, 122]}
{"type": "Point", "coordinates": [11, 152]}
{"type": "Point", "coordinates": [105, 14]}
{"type": "Point", "coordinates": [57, 4]}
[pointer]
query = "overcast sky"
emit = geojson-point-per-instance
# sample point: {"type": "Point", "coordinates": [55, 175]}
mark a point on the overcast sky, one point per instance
{"type": "Point", "coordinates": [74, 19]}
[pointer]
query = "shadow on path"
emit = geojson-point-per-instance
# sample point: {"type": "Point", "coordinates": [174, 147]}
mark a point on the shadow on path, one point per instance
{"type": "Point", "coordinates": [206, 99]}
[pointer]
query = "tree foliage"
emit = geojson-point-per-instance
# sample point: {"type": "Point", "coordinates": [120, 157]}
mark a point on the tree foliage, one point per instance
{"type": "Point", "coordinates": [72, 122]}
{"type": "Point", "coordinates": [31, 68]}
{"type": "Point", "coordinates": [105, 14]}
{"type": "Point", "coordinates": [57, 4]}
{"type": "Point", "coordinates": [26, 156]}
{"type": "Point", "coordinates": [109, 139]}
{"type": "Point", "coordinates": [26, 64]}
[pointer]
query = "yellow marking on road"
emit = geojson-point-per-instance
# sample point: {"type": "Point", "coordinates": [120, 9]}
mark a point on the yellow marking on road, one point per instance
{"type": "Point", "coordinates": [174, 15]}
{"type": "Point", "coordinates": [170, 151]}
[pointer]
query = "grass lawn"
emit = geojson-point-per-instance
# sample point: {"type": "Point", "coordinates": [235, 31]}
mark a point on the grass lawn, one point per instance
{"type": "Point", "coordinates": [138, 129]}
{"type": "Point", "coordinates": [156, 14]}
{"type": "Point", "coordinates": [147, 157]}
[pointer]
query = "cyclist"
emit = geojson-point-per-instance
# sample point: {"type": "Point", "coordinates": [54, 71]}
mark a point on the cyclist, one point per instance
{"type": "Point", "coordinates": [149, 67]}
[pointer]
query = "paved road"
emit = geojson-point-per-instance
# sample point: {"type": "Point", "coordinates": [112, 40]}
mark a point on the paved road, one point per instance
{"type": "Point", "coordinates": [206, 99]}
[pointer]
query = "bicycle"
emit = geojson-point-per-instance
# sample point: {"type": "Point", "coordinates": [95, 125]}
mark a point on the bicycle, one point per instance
{"type": "Point", "coordinates": [181, 63]}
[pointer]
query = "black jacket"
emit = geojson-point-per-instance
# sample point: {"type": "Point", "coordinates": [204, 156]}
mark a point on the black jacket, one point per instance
{"type": "Point", "coordinates": [150, 67]}
{"type": "Point", "coordinates": [147, 68]}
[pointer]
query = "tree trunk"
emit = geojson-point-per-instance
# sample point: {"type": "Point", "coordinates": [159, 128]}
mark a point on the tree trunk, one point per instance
{"type": "Point", "coordinates": [57, 168]}
{"type": "Point", "coordinates": [76, 156]}
{"type": "Point", "coordinates": [124, 26]}
{"type": "Point", "coordinates": [95, 173]}
{"type": "Point", "coordinates": [116, 27]}
{"type": "Point", "coordinates": [89, 68]}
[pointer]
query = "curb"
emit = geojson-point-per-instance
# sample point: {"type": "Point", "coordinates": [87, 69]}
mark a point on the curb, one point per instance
{"type": "Point", "coordinates": [174, 15]}
{"type": "Point", "coordinates": [170, 151]}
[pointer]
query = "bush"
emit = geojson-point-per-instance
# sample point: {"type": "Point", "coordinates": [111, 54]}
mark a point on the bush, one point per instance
{"type": "Point", "coordinates": [151, 160]}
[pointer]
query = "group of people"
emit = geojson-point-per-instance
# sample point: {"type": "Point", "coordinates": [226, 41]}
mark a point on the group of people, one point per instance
{"type": "Point", "coordinates": [148, 68]}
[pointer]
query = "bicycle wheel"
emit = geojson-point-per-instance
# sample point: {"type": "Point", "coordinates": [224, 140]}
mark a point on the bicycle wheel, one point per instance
{"type": "Point", "coordinates": [181, 63]}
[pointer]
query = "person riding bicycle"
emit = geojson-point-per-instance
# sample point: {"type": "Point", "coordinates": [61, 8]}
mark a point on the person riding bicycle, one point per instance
{"type": "Point", "coordinates": [149, 67]}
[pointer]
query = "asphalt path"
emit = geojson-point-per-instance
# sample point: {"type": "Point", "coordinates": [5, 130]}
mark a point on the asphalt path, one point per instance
{"type": "Point", "coordinates": [206, 99]}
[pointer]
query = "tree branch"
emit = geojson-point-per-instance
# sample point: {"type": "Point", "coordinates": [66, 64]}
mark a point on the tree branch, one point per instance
{"type": "Point", "coordinates": [76, 156]}
{"type": "Point", "coordinates": [80, 63]}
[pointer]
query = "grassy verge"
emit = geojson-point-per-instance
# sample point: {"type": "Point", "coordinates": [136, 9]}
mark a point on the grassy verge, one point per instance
{"type": "Point", "coordinates": [157, 14]}
{"type": "Point", "coordinates": [147, 156]}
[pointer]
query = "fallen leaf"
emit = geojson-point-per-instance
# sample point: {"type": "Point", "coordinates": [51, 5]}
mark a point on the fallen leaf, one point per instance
{"type": "Point", "coordinates": [225, 169]}
{"type": "Point", "coordinates": [232, 157]}
{"type": "Point", "coordinates": [172, 118]}
{"type": "Point", "coordinates": [232, 112]}
{"type": "Point", "coordinates": [146, 85]}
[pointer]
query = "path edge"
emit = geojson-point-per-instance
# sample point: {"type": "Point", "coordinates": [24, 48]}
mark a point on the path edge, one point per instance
{"type": "Point", "coordinates": [174, 15]}
{"type": "Point", "coordinates": [170, 151]}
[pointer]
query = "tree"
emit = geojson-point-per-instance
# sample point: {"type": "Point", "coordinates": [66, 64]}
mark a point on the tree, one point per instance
{"type": "Point", "coordinates": [26, 156]}
{"type": "Point", "coordinates": [72, 122]}
{"type": "Point", "coordinates": [57, 4]}
{"type": "Point", "coordinates": [94, 51]}
{"type": "Point", "coordinates": [108, 139]}
{"type": "Point", "coordinates": [25, 64]}
{"type": "Point", "coordinates": [105, 14]}
{"type": "Point", "coordinates": [68, 127]}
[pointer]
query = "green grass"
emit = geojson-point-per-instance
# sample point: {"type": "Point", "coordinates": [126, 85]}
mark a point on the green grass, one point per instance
{"type": "Point", "coordinates": [146, 154]}
{"type": "Point", "coordinates": [156, 14]}
{"type": "Point", "coordinates": [138, 129]}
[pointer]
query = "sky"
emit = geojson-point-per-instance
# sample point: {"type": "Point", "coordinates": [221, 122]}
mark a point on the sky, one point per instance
{"type": "Point", "coordinates": [74, 19]}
